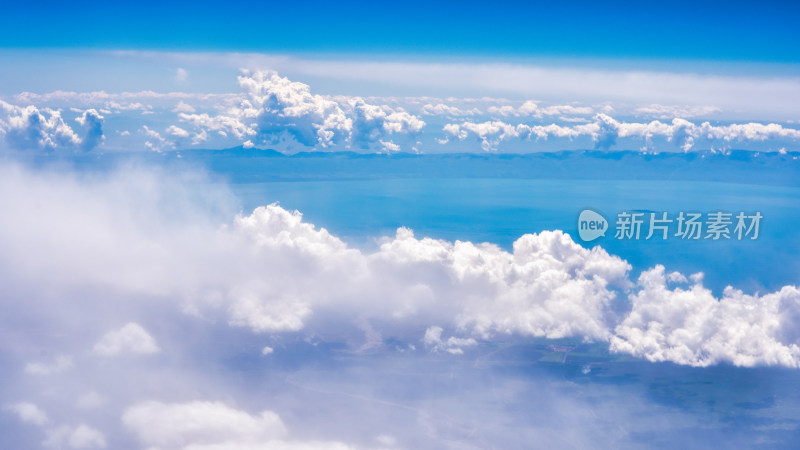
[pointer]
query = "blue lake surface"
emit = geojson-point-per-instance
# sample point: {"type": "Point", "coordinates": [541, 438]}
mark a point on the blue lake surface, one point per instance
{"type": "Point", "coordinates": [501, 210]}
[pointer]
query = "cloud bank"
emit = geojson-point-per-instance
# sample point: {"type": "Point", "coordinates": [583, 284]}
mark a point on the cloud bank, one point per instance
{"type": "Point", "coordinates": [274, 111]}
{"type": "Point", "coordinates": [254, 273]}
{"type": "Point", "coordinates": [151, 302]}
{"type": "Point", "coordinates": [28, 128]}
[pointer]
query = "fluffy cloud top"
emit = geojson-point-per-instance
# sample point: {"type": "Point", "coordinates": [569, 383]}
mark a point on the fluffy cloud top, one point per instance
{"type": "Point", "coordinates": [275, 109]}
{"type": "Point", "coordinates": [131, 338]}
{"type": "Point", "coordinates": [28, 413]}
{"type": "Point", "coordinates": [532, 109]}
{"type": "Point", "coordinates": [605, 130]}
{"type": "Point", "coordinates": [278, 105]}
{"type": "Point", "coordinates": [62, 436]}
{"type": "Point", "coordinates": [690, 326]}
{"type": "Point", "coordinates": [180, 425]}
{"type": "Point", "coordinates": [433, 340]}
{"type": "Point", "coordinates": [272, 272]}
{"type": "Point", "coordinates": [210, 426]}
{"type": "Point", "coordinates": [139, 246]}
{"type": "Point", "coordinates": [29, 128]}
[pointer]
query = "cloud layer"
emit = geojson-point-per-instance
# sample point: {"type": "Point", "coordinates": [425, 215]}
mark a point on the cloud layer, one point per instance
{"type": "Point", "coordinates": [254, 273]}
{"type": "Point", "coordinates": [29, 128]}
{"type": "Point", "coordinates": [138, 289]}
{"type": "Point", "coordinates": [273, 111]}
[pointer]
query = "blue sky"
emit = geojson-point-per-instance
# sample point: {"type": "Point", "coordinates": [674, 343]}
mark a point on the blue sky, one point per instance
{"type": "Point", "coordinates": [736, 31]}
{"type": "Point", "coordinates": [512, 77]}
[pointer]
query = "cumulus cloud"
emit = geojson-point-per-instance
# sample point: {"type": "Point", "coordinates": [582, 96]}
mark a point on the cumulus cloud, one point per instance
{"type": "Point", "coordinates": [28, 413]}
{"type": "Point", "coordinates": [59, 437]}
{"type": "Point", "coordinates": [131, 338]}
{"type": "Point", "coordinates": [209, 425]}
{"type": "Point", "coordinates": [276, 110]}
{"type": "Point", "coordinates": [605, 131]}
{"type": "Point", "coordinates": [92, 123]}
{"type": "Point", "coordinates": [491, 134]}
{"type": "Point", "coordinates": [688, 325]}
{"type": "Point", "coordinates": [454, 345]}
{"type": "Point", "coordinates": [177, 132]}
{"type": "Point", "coordinates": [272, 110]}
{"type": "Point", "coordinates": [532, 108]}
{"type": "Point", "coordinates": [180, 425]}
{"type": "Point", "coordinates": [29, 128]}
{"type": "Point", "coordinates": [673, 111]}
{"type": "Point", "coordinates": [271, 272]}
{"type": "Point", "coordinates": [183, 107]}
{"type": "Point", "coordinates": [221, 124]}
{"type": "Point", "coordinates": [441, 109]}
{"type": "Point", "coordinates": [278, 105]}
{"type": "Point", "coordinates": [221, 293]}
{"type": "Point", "coordinates": [373, 124]}
{"type": "Point", "coordinates": [154, 141]}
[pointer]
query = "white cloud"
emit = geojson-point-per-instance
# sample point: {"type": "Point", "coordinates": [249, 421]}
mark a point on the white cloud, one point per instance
{"type": "Point", "coordinates": [671, 111]}
{"type": "Point", "coordinates": [222, 124]}
{"type": "Point", "coordinates": [82, 436]}
{"type": "Point", "coordinates": [433, 341]}
{"type": "Point", "coordinates": [28, 413]}
{"type": "Point", "coordinates": [441, 109]}
{"type": "Point", "coordinates": [29, 128]}
{"type": "Point", "coordinates": [92, 123]}
{"type": "Point", "coordinates": [59, 364]}
{"type": "Point", "coordinates": [569, 301]}
{"type": "Point", "coordinates": [177, 132]}
{"type": "Point", "coordinates": [390, 146]}
{"type": "Point", "coordinates": [183, 107]}
{"type": "Point", "coordinates": [257, 275]}
{"type": "Point", "coordinates": [202, 425]}
{"type": "Point", "coordinates": [605, 130]}
{"type": "Point", "coordinates": [371, 123]}
{"type": "Point", "coordinates": [154, 140]}
{"type": "Point", "coordinates": [181, 75]}
{"type": "Point", "coordinates": [690, 326]}
{"type": "Point", "coordinates": [131, 338]}
{"type": "Point", "coordinates": [276, 110]}
{"type": "Point", "coordinates": [532, 108]}
{"type": "Point", "coordinates": [141, 101]}
{"type": "Point", "coordinates": [741, 93]}
{"type": "Point", "coordinates": [492, 134]}
{"type": "Point", "coordinates": [277, 105]}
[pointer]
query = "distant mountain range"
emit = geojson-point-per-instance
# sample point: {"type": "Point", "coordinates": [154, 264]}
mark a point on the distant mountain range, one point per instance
{"type": "Point", "coordinates": [251, 165]}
